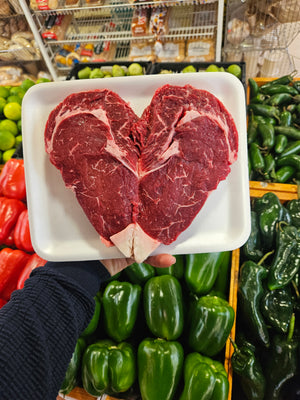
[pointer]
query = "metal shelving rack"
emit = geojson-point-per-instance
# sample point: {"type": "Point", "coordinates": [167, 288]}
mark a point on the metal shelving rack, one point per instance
{"type": "Point", "coordinates": [111, 21]}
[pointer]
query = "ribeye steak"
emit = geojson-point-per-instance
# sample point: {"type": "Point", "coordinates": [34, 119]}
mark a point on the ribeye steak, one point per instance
{"type": "Point", "coordinates": [141, 181]}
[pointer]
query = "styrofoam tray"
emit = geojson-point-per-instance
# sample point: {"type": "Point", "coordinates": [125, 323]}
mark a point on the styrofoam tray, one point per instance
{"type": "Point", "coordinates": [60, 231]}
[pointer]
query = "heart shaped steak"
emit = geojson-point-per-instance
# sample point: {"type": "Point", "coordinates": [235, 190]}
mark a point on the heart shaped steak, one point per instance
{"type": "Point", "coordinates": [142, 181]}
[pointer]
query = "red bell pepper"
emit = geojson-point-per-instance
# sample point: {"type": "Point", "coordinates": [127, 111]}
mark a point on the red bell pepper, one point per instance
{"type": "Point", "coordinates": [2, 302]}
{"type": "Point", "coordinates": [12, 180]}
{"type": "Point", "coordinates": [10, 209]}
{"type": "Point", "coordinates": [34, 261]}
{"type": "Point", "coordinates": [12, 263]}
{"type": "Point", "coordinates": [21, 233]}
{"type": "Point", "coordinates": [9, 241]}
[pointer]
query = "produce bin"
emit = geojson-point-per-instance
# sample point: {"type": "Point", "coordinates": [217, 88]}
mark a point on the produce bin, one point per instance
{"type": "Point", "coordinates": [107, 65]}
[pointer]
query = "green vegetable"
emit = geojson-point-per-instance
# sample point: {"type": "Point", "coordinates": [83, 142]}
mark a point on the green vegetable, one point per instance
{"type": "Point", "coordinates": [221, 284]}
{"type": "Point", "coordinates": [277, 89]}
{"type": "Point", "coordinates": [291, 148]}
{"type": "Point", "coordinates": [264, 110]}
{"type": "Point", "coordinates": [269, 163]}
{"type": "Point", "coordinates": [210, 324]}
{"type": "Point", "coordinates": [251, 250]}
{"type": "Point", "coordinates": [108, 368]}
{"type": "Point", "coordinates": [267, 134]}
{"type": "Point", "coordinates": [293, 207]}
{"type": "Point", "coordinates": [292, 159]}
{"type": "Point", "coordinates": [175, 269]}
{"type": "Point", "coordinates": [84, 73]}
{"type": "Point", "coordinates": [283, 80]}
{"type": "Point", "coordinates": [160, 364]}
{"type": "Point", "coordinates": [120, 303]}
{"type": "Point", "coordinates": [135, 69]}
{"type": "Point", "coordinates": [249, 371]}
{"type": "Point", "coordinates": [252, 129]}
{"type": "Point", "coordinates": [201, 271]}
{"type": "Point", "coordinates": [163, 306]}
{"type": "Point", "coordinates": [285, 118]}
{"type": "Point", "coordinates": [256, 157]}
{"type": "Point", "coordinates": [284, 174]}
{"type": "Point", "coordinates": [280, 99]}
{"type": "Point", "coordinates": [139, 273]}
{"type": "Point", "coordinates": [250, 292]}
{"type": "Point", "coordinates": [92, 326]}
{"type": "Point", "coordinates": [287, 257]}
{"type": "Point", "coordinates": [277, 308]}
{"type": "Point", "coordinates": [204, 379]}
{"type": "Point", "coordinates": [289, 131]}
{"type": "Point", "coordinates": [254, 88]}
{"type": "Point", "coordinates": [72, 375]}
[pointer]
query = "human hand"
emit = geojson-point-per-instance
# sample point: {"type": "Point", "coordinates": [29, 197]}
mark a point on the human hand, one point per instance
{"type": "Point", "coordinates": [116, 265]}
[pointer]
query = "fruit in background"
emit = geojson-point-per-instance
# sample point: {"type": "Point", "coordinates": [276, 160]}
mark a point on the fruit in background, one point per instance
{"type": "Point", "coordinates": [12, 111]}
{"type": "Point", "coordinates": [9, 125]}
{"type": "Point", "coordinates": [135, 69]}
{"type": "Point", "coordinates": [4, 92]}
{"type": "Point", "coordinates": [7, 155]}
{"type": "Point", "coordinates": [189, 68]}
{"type": "Point", "coordinates": [212, 68]}
{"type": "Point", "coordinates": [117, 70]}
{"type": "Point", "coordinates": [19, 125]}
{"type": "Point", "coordinates": [96, 73]}
{"type": "Point", "coordinates": [17, 91]}
{"type": "Point", "coordinates": [14, 99]}
{"type": "Point", "coordinates": [7, 140]}
{"type": "Point", "coordinates": [235, 70]}
{"type": "Point", "coordinates": [18, 140]}
{"type": "Point", "coordinates": [43, 80]}
{"type": "Point", "coordinates": [26, 84]}
{"type": "Point", "coordinates": [84, 73]}
{"type": "Point", "coordinates": [2, 104]}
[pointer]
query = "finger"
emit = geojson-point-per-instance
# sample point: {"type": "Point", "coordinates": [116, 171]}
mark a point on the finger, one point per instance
{"type": "Point", "coordinates": [161, 260]}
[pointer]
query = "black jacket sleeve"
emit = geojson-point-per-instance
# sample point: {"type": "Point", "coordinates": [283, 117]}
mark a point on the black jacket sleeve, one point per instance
{"type": "Point", "coordinates": [40, 325]}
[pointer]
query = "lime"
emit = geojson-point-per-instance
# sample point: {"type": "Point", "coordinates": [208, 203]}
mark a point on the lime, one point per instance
{"type": "Point", "coordinates": [9, 125]}
{"type": "Point", "coordinates": [117, 70]}
{"type": "Point", "coordinates": [19, 125]}
{"type": "Point", "coordinates": [135, 69]}
{"type": "Point", "coordinates": [212, 68]}
{"type": "Point", "coordinates": [0, 156]}
{"type": "Point", "coordinates": [7, 155]}
{"type": "Point", "coordinates": [2, 104]}
{"type": "Point", "coordinates": [17, 91]}
{"type": "Point", "coordinates": [26, 84]}
{"type": "Point", "coordinates": [4, 92]}
{"type": "Point", "coordinates": [18, 140]}
{"type": "Point", "coordinates": [84, 73]}
{"type": "Point", "coordinates": [12, 111]}
{"type": "Point", "coordinates": [221, 69]}
{"type": "Point", "coordinates": [235, 70]}
{"type": "Point", "coordinates": [96, 73]}
{"type": "Point", "coordinates": [189, 68]}
{"type": "Point", "coordinates": [14, 99]}
{"type": "Point", "coordinates": [43, 80]}
{"type": "Point", "coordinates": [7, 140]}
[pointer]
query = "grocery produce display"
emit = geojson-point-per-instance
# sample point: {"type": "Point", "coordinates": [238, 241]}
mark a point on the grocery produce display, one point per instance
{"type": "Point", "coordinates": [274, 130]}
{"type": "Point", "coordinates": [150, 325]}
{"type": "Point", "coordinates": [266, 354]}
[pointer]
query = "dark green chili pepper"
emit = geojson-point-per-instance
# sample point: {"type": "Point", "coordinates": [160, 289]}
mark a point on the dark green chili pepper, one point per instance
{"type": "Point", "coordinates": [291, 108]}
{"type": "Point", "coordinates": [280, 143]}
{"type": "Point", "coordinates": [264, 120]}
{"type": "Point", "coordinates": [277, 89]}
{"type": "Point", "coordinates": [250, 291]}
{"type": "Point", "coordinates": [296, 99]}
{"type": "Point", "coordinates": [267, 134]}
{"type": "Point", "coordinates": [292, 159]}
{"type": "Point", "coordinates": [285, 118]}
{"type": "Point", "coordinates": [291, 148]}
{"type": "Point", "coordinates": [257, 159]}
{"type": "Point", "coordinates": [252, 129]}
{"type": "Point", "coordinates": [280, 99]}
{"type": "Point", "coordinates": [283, 80]}
{"type": "Point", "coordinates": [296, 85]}
{"type": "Point", "coordinates": [254, 88]}
{"type": "Point", "coordinates": [283, 174]}
{"type": "Point", "coordinates": [248, 368]}
{"type": "Point", "coordinates": [286, 261]}
{"type": "Point", "coordinates": [289, 131]}
{"type": "Point", "coordinates": [277, 308]}
{"type": "Point", "coordinates": [269, 163]}
{"type": "Point", "coordinates": [264, 110]}
{"type": "Point", "coordinates": [251, 250]}
{"type": "Point", "coordinates": [258, 99]}
{"type": "Point", "coordinates": [293, 207]}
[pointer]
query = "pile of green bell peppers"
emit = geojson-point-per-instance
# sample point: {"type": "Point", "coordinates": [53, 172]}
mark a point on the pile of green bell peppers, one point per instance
{"type": "Point", "coordinates": [158, 333]}
{"type": "Point", "coordinates": [266, 356]}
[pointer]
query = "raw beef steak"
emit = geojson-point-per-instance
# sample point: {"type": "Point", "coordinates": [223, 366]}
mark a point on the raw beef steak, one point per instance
{"type": "Point", "coordinates": [142, 181]}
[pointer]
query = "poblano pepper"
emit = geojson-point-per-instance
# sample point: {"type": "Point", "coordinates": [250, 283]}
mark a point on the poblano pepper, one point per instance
{"type": "Point", "coordinates": [163, 306]}
{"type": "Point", "coordinates": [108, 368]}
{"type": "Point", "coordinates": [286, 261]}
{"type": "Point", "coordinates": [270, 211]}
{"type": "Point", "coordinates": [248, 368]}
{"type": "Point", "coordinates": [210, 324]}
{"type": "Point", "coordinates": [282, 361]}
{"type": "Point", "coordinates": [250, 292]}
{"type": "Point", "coordinates": [160, 365]}
{"type": "Point", "coordinates": [120, 304]}
{"type": "Point", "coordinates": [293, 207]}
{"type": "Point", "coordinates": [277, 308]}
{"type": "Point", "coordinates": [72, 376]}
{"type": "Point", "coordinates": [251, 250]}
{"type": "Point", "coordinates": [201, 271]}
{"type": "Point", "coordinates": [204, 379]}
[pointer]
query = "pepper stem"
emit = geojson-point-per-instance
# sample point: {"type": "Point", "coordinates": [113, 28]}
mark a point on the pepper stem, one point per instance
{"type": "Point", "coordinates": [265, 257]}
{"type": "Point", "coordinates": [234, 344]}
{"type": "Point", "coordinates": [291, 328]}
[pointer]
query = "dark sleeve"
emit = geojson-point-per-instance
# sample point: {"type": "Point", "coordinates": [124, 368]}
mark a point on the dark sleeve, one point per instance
{"type": "Point", "coordinates": [40, 325]}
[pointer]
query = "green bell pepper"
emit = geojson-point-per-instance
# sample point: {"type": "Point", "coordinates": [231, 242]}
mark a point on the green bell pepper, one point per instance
{"type": "Point", "coordinates": [120, 304]}
{"type": "Point", "coordinates": [286, 261]}
{"type": "Point", "coordinates": [222, 281]}
{"type": "Point", "coordinates": [176, 269]}
{"type": "Point", "coordinates": [249, 371]}
{"type": "Point", "coordinates": [108, 368]}
{"type": "Point", "coordinates": [210, 324]}
{"type": "Point", "coordinates": [201, 271]}
{"type": "Point", "coordinates": [92, 326]}
{"type": "Point", "coordinates": [160, 365]}
{"type": "Point", "coordinates": [250, 292]}
{"type": "Point", "coordinates": [139, 273]}
{"type": "Point", "coordinates": [72, 376]}
{"type": "Point", "coordinates": [163, 307]}
{"type": "Point", "coordinates": [204, 379]}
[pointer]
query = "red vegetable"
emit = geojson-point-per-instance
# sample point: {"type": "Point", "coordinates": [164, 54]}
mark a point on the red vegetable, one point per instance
{"type": "Point", "coordinates": [21, 233]}
{"type": "Point", "coordinates": [12, 180]}
{"type": "Point", "coordinates": [34, 261]}
{"type": "Point", "coordinates": [2, 302]}
{"type": "Point", "coordinates": [10, 209]}
{"type": "Point", "coordinates": [12, 263]}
